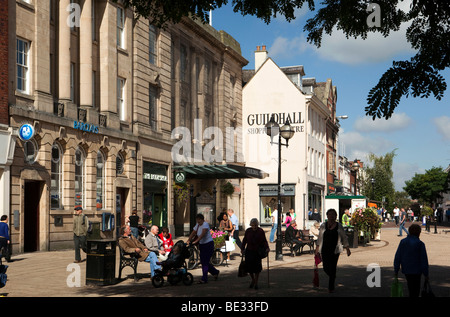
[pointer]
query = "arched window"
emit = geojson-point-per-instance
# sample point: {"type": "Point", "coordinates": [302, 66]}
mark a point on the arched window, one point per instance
{"type": "Point", "coordinates": [120, 161]}
{"type": "Point", "coordinates": [100, 180]}
{"type": "Point", "coordinates": [56, 177]}
{"type": "Point", "coordinates": [79, 177]}
{"type": "Point", "coordinates": [30, 149]}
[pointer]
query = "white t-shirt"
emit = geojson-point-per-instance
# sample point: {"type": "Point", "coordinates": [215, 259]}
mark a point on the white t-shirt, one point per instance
{"type": "Point", "coordinates": [275, 216]}
{"type": "Point", "coordinates": [207, 237]}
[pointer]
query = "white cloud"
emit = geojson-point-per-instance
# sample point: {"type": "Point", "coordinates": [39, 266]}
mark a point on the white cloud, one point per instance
{"type": "Point", "coordinates": [404, 171]}
{"type": "Point", "coordinates": [443, 126]}
{"type": "Point", "coordinates": [375, 48]}
{"type": "Point", "coordinates": [283, 47]}
{"type": "Point", "coordinates": [398, 121]}
{"type": "Point", "coordinates": [359, 146]}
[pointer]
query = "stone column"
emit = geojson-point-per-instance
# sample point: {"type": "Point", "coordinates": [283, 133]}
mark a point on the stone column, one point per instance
{"type": "Point", "coordinates": [64, 51]}
{"type": "Point", "coordinates": [86, 55]}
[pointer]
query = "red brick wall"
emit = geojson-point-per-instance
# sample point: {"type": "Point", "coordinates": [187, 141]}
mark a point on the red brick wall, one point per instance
{"type": "Point", "coordinates": [4, 62]}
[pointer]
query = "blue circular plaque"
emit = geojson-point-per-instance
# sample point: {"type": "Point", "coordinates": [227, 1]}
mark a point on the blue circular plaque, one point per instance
{"type": "Point", "coordinates": [26, 132]}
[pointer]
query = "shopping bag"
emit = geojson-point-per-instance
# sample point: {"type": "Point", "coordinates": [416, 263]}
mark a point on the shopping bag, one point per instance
{"type": "Point", "coordinates": [241, 271]}
{"type": "Point", "coordinates": [426, 290]}
{"type": "Point", "coordinates": [317, 261]}
{"type": "Point", "coordinates": [396, 288]}
{"type": "Point", "coordinates": [316, 277]}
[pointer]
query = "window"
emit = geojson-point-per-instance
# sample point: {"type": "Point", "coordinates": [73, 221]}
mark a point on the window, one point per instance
{"type": "Point", "coordinates": [183, 64]}
{"type": "Point", "coordinates": [152, 107]}
{"type": "Point", "coordinates": [152, 44]}
{"type": "Point", "coordinates": [30, 149]}
{"type": "Point", "coordinates": [79, 177]}
{"type": "Point", "coordinates": [22, 65]}
{"type": "Point", "coordinates": [56, 178]}
{"type": "Point", "coordinates": [119, 164]}
{"type": "Point", "coordinates": [100, 180]}
{"type": "Point", "coordinates": [120, 99]}
{"type": "Point", "coordinates": [120, 27]}
{"type": "Point", "coordinates": [72, 82]}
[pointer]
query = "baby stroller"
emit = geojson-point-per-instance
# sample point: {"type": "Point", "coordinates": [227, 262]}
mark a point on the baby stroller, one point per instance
{"type": "Point", "coordinates": [174, 267]}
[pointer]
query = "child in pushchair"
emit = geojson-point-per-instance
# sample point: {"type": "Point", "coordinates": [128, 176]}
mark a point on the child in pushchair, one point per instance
{"type": "Point", "coordinates": [174, 267]}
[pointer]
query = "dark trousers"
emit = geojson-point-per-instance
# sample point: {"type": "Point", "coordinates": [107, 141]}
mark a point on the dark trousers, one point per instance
{"type": "Point", "coordinates": [206, 251]}
{"type": "Point", "coordinates": [236, 238]}
{"type": "Point", "coordinates": [79, 242]}
{"type": "Point", "coordinates": [413, 281]}
{"type": "Point", "coordinates": [329, 266]}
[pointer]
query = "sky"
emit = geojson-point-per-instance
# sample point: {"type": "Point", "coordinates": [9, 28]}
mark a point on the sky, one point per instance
{"type": "Point", "coordinates": [419, 130]}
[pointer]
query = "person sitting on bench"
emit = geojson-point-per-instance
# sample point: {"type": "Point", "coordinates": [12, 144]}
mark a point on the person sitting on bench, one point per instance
{"type": "Point", "coordinates": [293, 235]}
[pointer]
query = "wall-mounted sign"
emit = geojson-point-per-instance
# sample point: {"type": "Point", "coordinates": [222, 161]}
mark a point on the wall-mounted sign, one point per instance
{"type": "Point", "coordinates": [26, 132]}
{"type": "Point", "coordinates": [86, 127]}
{"type": "Point", "coordinates": [155, 177]}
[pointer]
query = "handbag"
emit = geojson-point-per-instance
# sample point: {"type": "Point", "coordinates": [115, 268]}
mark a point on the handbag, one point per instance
{"type": "Point", "coordinates": [396, 288]}
{"type": "Point", "coordinates": [426, 290]}
{"type": "Point", "coordinates": [241, 271]}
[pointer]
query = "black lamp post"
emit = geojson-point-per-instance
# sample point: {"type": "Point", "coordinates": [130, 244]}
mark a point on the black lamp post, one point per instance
{"type": "Point", "coordinates": [287, 132]}
{"type": "Point", "coordinates": [372, 180]}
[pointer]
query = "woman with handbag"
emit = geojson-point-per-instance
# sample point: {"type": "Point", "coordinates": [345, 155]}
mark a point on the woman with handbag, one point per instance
{"type": "Point", "coordinates": [331, 242]}
{"type": "Point", "coordinates": [255, 248]}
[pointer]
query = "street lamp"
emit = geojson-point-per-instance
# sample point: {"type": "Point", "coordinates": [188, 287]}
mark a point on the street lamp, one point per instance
{"type": "Point", "coordinates": [287, 132]}
{"type": "Point", "coordinates": [355, 168]}
{"type": "Point", "coordinates": [372, 180]}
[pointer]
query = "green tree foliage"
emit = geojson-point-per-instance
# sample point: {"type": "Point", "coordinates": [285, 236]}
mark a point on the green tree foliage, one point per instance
{"type": "Point", "coordinates": [428, 187]}
{"type": "Point", "coordinates": [428, 33]}
{"type": "Point", "coordinates": [380, 169]}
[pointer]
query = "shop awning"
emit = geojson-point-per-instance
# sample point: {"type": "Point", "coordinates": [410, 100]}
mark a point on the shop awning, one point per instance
{"type": "Point", "coordinates": [220, 171]}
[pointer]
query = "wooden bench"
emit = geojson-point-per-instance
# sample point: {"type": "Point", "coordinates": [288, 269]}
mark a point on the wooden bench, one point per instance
{"type": "Point", "coordinates": [285, 243]}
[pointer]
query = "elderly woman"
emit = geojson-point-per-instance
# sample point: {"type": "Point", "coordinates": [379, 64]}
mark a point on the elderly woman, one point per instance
{"type": "Point", "coordinates": [254, 238]}
{"type": "Point", "coordinates": [331, 238]}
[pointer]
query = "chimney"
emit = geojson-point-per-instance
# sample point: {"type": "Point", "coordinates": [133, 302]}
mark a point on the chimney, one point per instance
{"type": "Point", "coordinates": [260, 56]}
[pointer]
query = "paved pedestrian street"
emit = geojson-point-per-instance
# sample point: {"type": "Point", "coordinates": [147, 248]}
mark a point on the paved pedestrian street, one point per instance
{"type": "Point", "coordinates": [368, 272]}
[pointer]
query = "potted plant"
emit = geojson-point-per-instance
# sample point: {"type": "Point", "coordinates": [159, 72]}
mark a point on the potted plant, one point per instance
{"type": "Point", "coordinates": [219, 238]}
{"type": "Point", "coordinates": [181, 192]}
{"type": "Point", "coordinates": [227, 189]}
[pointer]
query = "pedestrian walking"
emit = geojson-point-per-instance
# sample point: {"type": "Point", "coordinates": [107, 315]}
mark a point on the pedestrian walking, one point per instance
{"type": "Point", "coordinates": [4, 236]}
{"type": "Point", "coordinates": [274, 226]}
{"type": "Point", "coordinates": [235, 223]}
{"type": "Point", "coordinates": [411, 257]}
{"type": "Point", "coordinates": [331, 242]}
{"type": "Point", "coordinates": [80, 229]}
{"type": "Point", "coordinates": [134, 223]}
{"type": "Point", "coordinates": [202, 235]}
{"type": "Point", "coordinates": [254, 245]}
{"type": "Point", "coordinates": [402, 223]}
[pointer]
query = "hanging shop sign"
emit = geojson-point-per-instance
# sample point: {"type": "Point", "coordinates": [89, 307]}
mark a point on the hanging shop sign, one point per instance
{"type": "Point", "coordinates": [26, 132]}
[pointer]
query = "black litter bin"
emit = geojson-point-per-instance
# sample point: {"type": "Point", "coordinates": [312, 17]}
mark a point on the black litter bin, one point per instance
{"type": "Point", "coordinates": [101, 262]}
{"type": "Point", "coordinates": [352, 237]}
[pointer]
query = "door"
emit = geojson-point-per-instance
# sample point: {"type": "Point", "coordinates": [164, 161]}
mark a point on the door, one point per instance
{"type": "Point", "coordinates": [121, 198]}
{"type": "Point", "coordinates": [32, 199]}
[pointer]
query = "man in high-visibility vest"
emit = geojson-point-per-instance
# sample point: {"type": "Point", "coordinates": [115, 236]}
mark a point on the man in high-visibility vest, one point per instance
{"type": "Point", "coordinates": [346, 218]}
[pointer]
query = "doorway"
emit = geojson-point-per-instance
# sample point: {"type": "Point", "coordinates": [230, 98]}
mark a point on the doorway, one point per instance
{"type": "Point", "coordinates": [121, 198]}
{"type": "Point", "coordinates": [32, 193]}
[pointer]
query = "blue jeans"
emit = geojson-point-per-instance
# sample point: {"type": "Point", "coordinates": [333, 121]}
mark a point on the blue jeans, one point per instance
{"type": "Point", "coordinates": [152, 259]}
{"type": "Point", "coordinates": [135, 231]}
{"type": "Point", "coordinates": [402, 227]}
{"type": "Point", "coordinates": [272, 232]}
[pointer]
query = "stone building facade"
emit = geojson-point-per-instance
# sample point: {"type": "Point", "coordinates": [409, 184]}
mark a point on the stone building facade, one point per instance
{"type": "Point", "coordinates": [102, 92]}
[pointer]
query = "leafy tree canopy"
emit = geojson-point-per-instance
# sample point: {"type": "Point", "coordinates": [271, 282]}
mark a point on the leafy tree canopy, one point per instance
{"type": "Point", "coordinates": [428, 33]}
{"type": "Point", "coordinates": [429, 186]}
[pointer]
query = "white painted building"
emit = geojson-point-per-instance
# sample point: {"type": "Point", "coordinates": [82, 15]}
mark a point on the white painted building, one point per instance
{"type": "Point", "coordinates": [285, 94]}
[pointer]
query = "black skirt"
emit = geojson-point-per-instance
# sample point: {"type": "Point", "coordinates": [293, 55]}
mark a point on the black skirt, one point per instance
{"type": "Point", "coordinates": [252, 261]}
